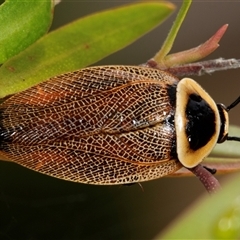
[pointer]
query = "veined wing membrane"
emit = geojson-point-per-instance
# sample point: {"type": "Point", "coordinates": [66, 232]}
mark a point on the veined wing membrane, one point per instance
{"type": "Point", "coordinates": [92, 125]}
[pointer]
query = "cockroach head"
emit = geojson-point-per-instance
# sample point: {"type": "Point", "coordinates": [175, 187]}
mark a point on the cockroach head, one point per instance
{"type": "Point", "coordinates": [223, 111]}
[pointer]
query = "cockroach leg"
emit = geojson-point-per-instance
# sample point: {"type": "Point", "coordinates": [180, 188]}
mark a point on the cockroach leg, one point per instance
{"type": "Point", "coordinates": [211, 170]}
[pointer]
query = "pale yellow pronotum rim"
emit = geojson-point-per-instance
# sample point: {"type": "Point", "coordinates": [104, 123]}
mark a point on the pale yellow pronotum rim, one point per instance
{"type": "Point", "coordinates": [190, 158]}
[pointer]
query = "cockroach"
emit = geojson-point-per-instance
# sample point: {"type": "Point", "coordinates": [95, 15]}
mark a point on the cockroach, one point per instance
{"type": "Point", "coordinates": [112, 125]}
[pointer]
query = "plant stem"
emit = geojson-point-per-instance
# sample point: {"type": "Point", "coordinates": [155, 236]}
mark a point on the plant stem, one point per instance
{"type": "Point", "coordinates": [168, 43]}
{"type": "Point", "coordinates": [206, 177]}
{"type": "Point", "coordinates": [204, 67]}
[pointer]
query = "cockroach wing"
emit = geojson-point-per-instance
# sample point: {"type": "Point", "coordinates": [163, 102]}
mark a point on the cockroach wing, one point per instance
{"type": "Point", "coordinates": [99, 125]}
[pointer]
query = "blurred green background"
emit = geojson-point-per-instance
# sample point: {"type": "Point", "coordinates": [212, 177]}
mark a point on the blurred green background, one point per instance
{"type": "Point", "coordinates": [35, 206]}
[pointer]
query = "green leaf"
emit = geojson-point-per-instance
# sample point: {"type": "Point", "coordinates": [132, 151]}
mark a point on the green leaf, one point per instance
{"type": "Point", "coordinates": [21, 24]}
{"type": "Point", "coordinates": [80, 44]}
{"type": "Point", "coordinates": [215, 217]}
{"type": "Point", "coordinates": [228, 148]}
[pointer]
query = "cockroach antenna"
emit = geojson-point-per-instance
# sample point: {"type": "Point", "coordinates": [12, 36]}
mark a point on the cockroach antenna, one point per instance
{"type": "Point", "coordinates": [232, 105]}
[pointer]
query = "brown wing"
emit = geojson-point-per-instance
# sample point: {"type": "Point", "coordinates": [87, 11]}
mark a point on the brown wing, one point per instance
{"type": "Point", "coordinates": [100, 125]}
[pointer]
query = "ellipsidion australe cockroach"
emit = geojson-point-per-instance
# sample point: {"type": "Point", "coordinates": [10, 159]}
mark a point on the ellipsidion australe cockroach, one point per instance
{"type": "Point", "coordinates": [111, 125]}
